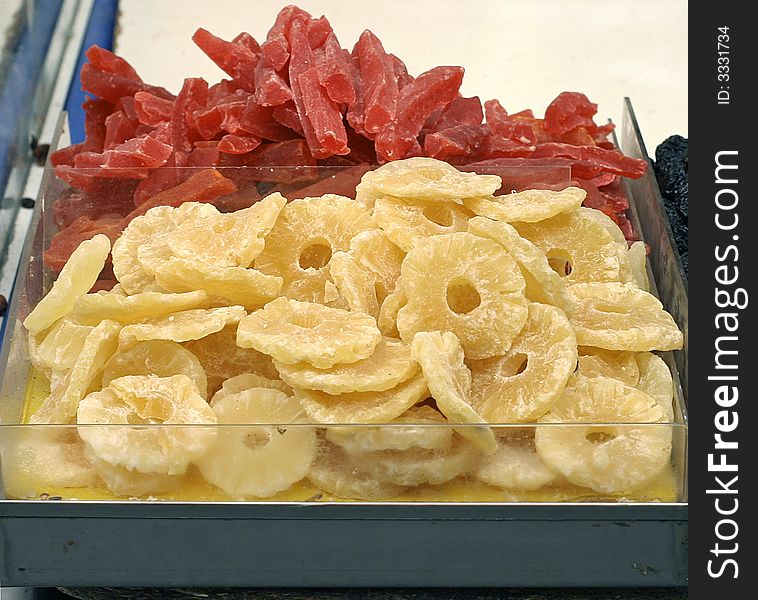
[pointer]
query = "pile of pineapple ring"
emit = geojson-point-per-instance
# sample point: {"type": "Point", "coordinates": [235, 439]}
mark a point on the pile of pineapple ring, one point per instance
{"type": "Point", "coordinates": [409, 320]}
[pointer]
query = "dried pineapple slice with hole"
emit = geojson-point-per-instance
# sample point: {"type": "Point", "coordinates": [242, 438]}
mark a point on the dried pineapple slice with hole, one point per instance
{"type": "Point", "coordinates": [449, 379]}
{"type": "Point", "coordinates": [60, 406]}
{"type": "Point", "coordinates": [609, 224]}
{"type": "Point", "coordinates": [425, 179]}
{"type": "Point", "coordinates": [617, 316]}
{"type": "Point", "coordinates": [389, 365]}
{"type": "Point", "coordinates": [363, 407]}
{"type": "Point", "coordinates": [76, 278]}
{"type": "Point", "coordinates": [577, 246]}
{"type": "Point", "coordinates": [156, 357]}
{"type": "Point", "coordinates": [237, 285]}
{"type": "Point", "coordinates": [406, 223]}
{"type": "Point", "coordinates": [516, 464]}
{"type": "Point", "coordinates": [596, 362]}
{"type": "Point", "coordinates": [529, 206]}
{"type": "Point", "coordinates": [248, 381]}
{"type": "Point", "coordinates": [59, 347]}
{"type": "Point", "coordinates": [419, 427]}
{"type": "Point", "coordinates": [351, 283]}
{"type": "Point", "coordinates": [331, 473]}
{"type": "Point", "coordinates": [181, 326]}
{"type": "Point", "coordinates": [291, 332]}
{"type": "Point", "coordinates": [467, 285]}
{"type": "Point", "coordinates": [524, 383]}
{"type": "Point", "coordinates": [258, 461]}
{"type": "Point", "coordinates": [656, 381]}
{"type": "Point", "coordinates": [417, 466]}
{"type": "Point", "coordinates": [90, 309]}
{"type": "Point", "coordinates": [637, 261]}
{"type": "Point", "coordinates": [543, 284]}
{"type": "Point", "coordinates": [616, 458]}
{"type": "Point", "coordinates": [306, 235]}
{"type": "Point", "coordinates": [387, 320]}
{"type": "Point", "coordinates": [123, 482]}
{"type": "Point", "coordinates": [147, 400]}
{"type": "Point", "coordinates": [43, 458]}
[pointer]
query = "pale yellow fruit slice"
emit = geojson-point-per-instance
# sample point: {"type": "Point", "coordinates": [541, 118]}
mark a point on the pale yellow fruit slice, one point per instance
{"type": "Point", "coordinates": [387, 320]}
{"type": "Point", "coordinates": [615, 458]}
{"type": "Point", "coordinates": [449, 379]}
{"type": "Point", "coordinates": [76, 278]}
{"type": "Point", "coordinates": [60, 347]}
{"type": "Point", "coordinates": [596, 362]}
{"type": "Point", "coordinates": [516, 464]}
{"type": "Point", "coordinates": [637, 261]}
{"type": "Point", "coordinates": [524, 383]}
{"type": "Point", "coordinates": [656, 381]}
{"type": "Point", "coordinates": [352, 283]}
{"type": "Point", "coordinates": [617, 316]}
{"type": "Point", "coordinates": [60, 406]}
{"type": "Point", "coordinates": [181, 326]}
{"type": "Point", "coordinates": [417, 467]}
{"type": "Point", "coordinates": [162, 358]}
{"type": "Point", "coordinates": [406, 222]}
{"type": "Point", "coordinates": [389, 365]}
{"type": "Point", "coordinates": [306, 235]}
{"type": "Point", "coordinates": [249, 381]}
{"type": "Point", "coordinates": [90, 309]}
{"type": "Point", "coordinates": [293, 332]}
{"type": "Point", "coordinates": [419, 427]}
{"type": "Point", "coordinates": [222, 359]}
{"type": "Point", "coordinates": [258, 461]}
{"type": "Point", "coordinates": [237, 285]}
{"type": "Point", "coordinates": [577, 246]}
{"type": "Point", "coordinates": [543, 284]}
{"type": "Point", "coordinates": [608, 223]}
{"type": "Point", "coordinates": [123, 482]}
{"type": "Point", "coordinates": [467, 285]}
{"type": "Point", "coordinates": [332, 474]}
{"type": "Point", "coordinates": [147, 400]}
{"type": "Point", "coordinates": [363, 407]}
{"type": "Point", "coordinates": [426, 179]}
{"type": "Point", "coordinates": [529, 206]}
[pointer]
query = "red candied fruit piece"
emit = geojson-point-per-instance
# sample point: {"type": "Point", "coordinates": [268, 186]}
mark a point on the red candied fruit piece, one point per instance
{"type": "Point", "coordinates": [193, 95]}
{"type": "Point", "coordinates": [222, 117]}
{"type": "Point", "coordinates": [238, 144]}
{"type": "Point", "coordinates": [83, 228]}
{"type": "Point", "coordinates": [259, 121]}
{"type": "Point", "coordinates": [204, 156]}
{"type": "Point", "coordinates": [401, 72]}
{"type": "Point", "coordinates": [292, 153]}
{"type": "Point", "coordinates": [507, 127]}
{"type": "Point", "coordinates": [152, 110]}
{"type": "Point", "coordinates": [378, 81]}
{"type": "Point", "coordinates": [204, 186]}
{"type": "Point", "coordinates": [455, 143]}
{"type": "Point", "coordinates": [611, 161]}
{"type": "Point", "coordinates": [73, 204]}
{"type": "Point", "coordinates": [95, 114]}
{"type": "Point", "coordinates": [461, 111]}
{"type": "Point", "coordinates": [497, 146]}
{"type": "Point", "coordinates": [342, 182]}
{"type": "Point", "coordinates": [271, 88]}
{"type": "Point", "coordinates": [319, 31]}
{"type": "Point", "coordinates": [66, 156]}
{"type": "Point", "coordinates": [107, 61]}
{"type": "Point", "coordinates": [578, 136]}
{"type": "Point", "coordinates": [286, 114]}
{"type": "Point", "coordinates": [248, 41]}
{"type": "Point", "coordinates": [430, 91]}
{"type": "Point", "coordinates": [126, 105]}
{"type": "Point", "coordinates": [324, 116]}
{"type": "Point", "coordinates": [567, 111]}
{"type": "Point", "coordinates": [219, 92]}
{"type": "Point", "coordinates": [355, 111]}
{"type": "Point", "coordinates": [118, 129]}
{"type": "Point", "coordinates": [235, 59]}
{"type": "Point", "coordinates": [334, 71]}
{"type": "Point", "coordinates": [144, 151]}
{"type": "Point", "coordinates": [276, 47]}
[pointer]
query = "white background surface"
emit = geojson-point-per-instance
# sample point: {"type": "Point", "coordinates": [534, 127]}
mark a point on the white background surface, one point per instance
{"type": "Point", "coordinates": [523, 52]}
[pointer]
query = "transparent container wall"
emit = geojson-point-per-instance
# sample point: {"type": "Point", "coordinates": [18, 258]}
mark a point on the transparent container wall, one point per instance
{"type": "Point", "coordinates": [374, 463]}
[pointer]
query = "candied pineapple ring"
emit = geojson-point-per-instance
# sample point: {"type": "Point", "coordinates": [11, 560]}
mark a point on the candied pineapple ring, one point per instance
{"type": "Point", "coordinates": [617, 316]}
{"type": "Point", "coordinates": [363, 407]}
{"type": "Point", "coordinates": [577, 246]}
{"type": "Point", "coordinates": [123, 482]}
{"type": "Point", "coordinates": [248, 381]}
{"type": "Point", "coordinates": [332, 474]}
{"type": "Point", "coordinates": [60, 405]}
{"type": "Point", "coordinates": [426, 179]}
{"type": "Point", "coordinates": [387, 320]}
{"type": "Point", "coordinates": [418, 427]}
{"type": "Point", "coordinates": [615, 458]}
{"type": "Point", "coordinates": [516, 464]}
{"type": "Point", "coordinates": [405, 223]}
{"type": "Point", "coordinates": [90, 309]}
{"type": "Point", "coordinates": [306, 235]}
{"type": "Point", "coordinates": [257, 461]}
{"type": "Point", "coordinates": [147, 399]}
{"type": "Point", "coordinates": [293, 332]}
{"type": "Point", "coordinates": [656, 381]}
{"type": "Point", "coordinates": [543, 284]}
{"type": "Point", "coordinates": [524, 383]}
{"type": "Point", "coordinates": [441, 358]}
{"type": "Point", "coordinates": [75, 279]}
{"type": "Point", "coordinates": [156, 357]}
{"type": "Point", "coordinates": [637, 261]}
{"type": "Point", "coordinates": [467, 285]}
{"type": "Point", "coordinates": [596, 362]}
{"type": "Point", "coordinates": [60, 347]}
{"type": "Point", "coordinates": [529, 206]}
{"type": "Point", "coordinates": [389, 365]}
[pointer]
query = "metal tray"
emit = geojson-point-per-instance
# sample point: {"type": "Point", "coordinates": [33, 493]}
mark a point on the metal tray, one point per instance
{"type": "Point", "coordinates": [265, 544]}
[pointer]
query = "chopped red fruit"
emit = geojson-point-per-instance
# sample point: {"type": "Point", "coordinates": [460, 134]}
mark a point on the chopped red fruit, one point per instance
{"type": "Point", "coordinates": [378, 82]}
{"type": "Point", "coordinates": [461, 111]}
{"type": "Point", "coordinates": [324, 115]}
{"type": "Point", "coordinates": [276, 47]}
{"type": "Point", "coordinates": [193, 95]}
{"type": "Point", "coordinates": [152, 110]}
{"type": "Point", "coordinates": [334, 71]}
{"type": "Point", "coordinates": [259, 121]}
{"type": "Point", "coordinates": [271, 88]}
{"type": "Point", "coordinates": [455, 143]}
{"type": "Point", "coordinates": [611, 161]}
{"type": "Point", "coordinates": [118, 129]}
{"type": "Point", "coordinates": [238, 144]}
{"type": "Point", "coordinates": [235, 59]}
{"type": "Point", "coordinates": [567, 111]}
